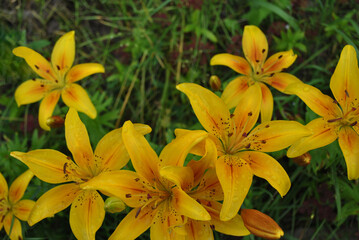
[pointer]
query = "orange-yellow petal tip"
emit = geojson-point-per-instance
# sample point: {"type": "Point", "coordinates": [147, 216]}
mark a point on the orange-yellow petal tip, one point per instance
{"type": "Point", "coordinates": [261, 224]}
{"type": "Point", "coordinates": [17, 155]}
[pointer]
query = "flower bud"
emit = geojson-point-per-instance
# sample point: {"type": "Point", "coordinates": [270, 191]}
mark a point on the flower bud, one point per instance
{"type": "Point", "coordinates": [261, 224]}
{"type": "Point", "coordinates": [215, 82]}
{"type": "Point", "coordinates": [303, 160]}
{"type": "Point", "coordinates": [114, 205]}
{"type": "Point", "coordinates": [55, 122]}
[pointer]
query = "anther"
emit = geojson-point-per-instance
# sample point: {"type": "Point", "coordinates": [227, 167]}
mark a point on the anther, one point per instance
{"type": "Point", "coordinates": [280, 56]}
{"type": "Point", "coordinates": [346, 93]}
{"type": "Point", "coordinates": [250, 114]}
{"type": "Point", "coordinates": [128, 195]}
{"type": "Point", "coordinates": [65, 165]}
{"type": "Point", "coordinates": [353, 124]}
{"type": "Point", "coordinates": [138, 212]}
{"type": "Point", "coordinates": [334, 120]}
{"type": "Point", "coordinates": [58, 67]}
{"type": "Point", "coordinates": [263, 50]}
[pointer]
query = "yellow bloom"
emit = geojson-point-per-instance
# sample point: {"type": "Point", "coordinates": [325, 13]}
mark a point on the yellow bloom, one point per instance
{"type": "Point", "coordinates": [175, 201]}
{"type": "Point", "coordinates": [335, 121]}
{"type": "Point", "coordinates": [87, 206]}
{"type": "Point", "coordinates": [256, 70]}
{"type": "Point", "coordinates": [11, 207]}
{"type": "Point", "coordinates": [57, 78]}
{"type": "Point", "coordinates": [240, 150]}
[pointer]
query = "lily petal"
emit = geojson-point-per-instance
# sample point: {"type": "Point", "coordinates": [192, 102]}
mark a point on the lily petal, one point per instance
{"type": "Point", "coordinates": [180, 176]}
{"type": "Point", "coordinates": [111, 151]}
{"type": "Point", "coordinates": [246, 113]}
{"type": "Point", "coordinates": [49, 165]}
{"type": "Point", "coordinates": [323, 134]}
{"type": "Point", "coordinates": [187, 206]}
{"type": "Point", "coordinates": [63, 54]}
{"type": "Point", "coordinates": [14, 226]}
{"type": "Point", "coordinates": [18, 187]}
{"type": "Point", "coordinates": [279, 61]}
{"type": "Point", "coordinates": [210, 110]}
{"type": "Point", "coordinates": [74, 96]}
{"type": "Point", "coordinates": [168, 223]}
{"type": "Point", "coordinates": [3, 187]}
{"type": "Point", "coordinates": [87, 214]}
{"type": "Point", "coordinates": [54, 201]}
{"type": "Point", "coordinates": [235, 177]}
{"type": "Point", "coordinates": [124, 184]}
{"type": "Point", "coordinates": [264, 166]}
{"type": "Point", "coordinates": [344, 82]}
{"type": "Point", "coordinates": [267, 104]}
{"type": "Point", "coordinates": [198, 230]}
{"type": "Point", "coordinates": [234, 227]}
{"type": "Point", "coordinates": [23, 208]}
{"type": "Point", "coordinates": [135, 223]}
{"type": "Point", "coordinates": [83, 70]}
{"type": "Point", "coordinates": [321, 104]}
{"type": "Point", "coordinates": [47, 106]}
{"type": "Point", "coordinates": [175, 152]}
{"type": "Point", "coordinates": [37, 62]}
{"type": "Point", "coordinates": [349, 142]}
{"type": "Point", "coordinates": [255, 45]}
{"type": "Point", "coordinates": [78, 143]}
{"type": "Point", "coordinates": [209, 187]}
{"type": "Point", "coordinates": [207, 161]}
{"type": "Point", "coordinates": [143, 157]}
{"type": "Point", "coordinates": [234, 91]}
{"type": "Point", "coordinates": [31, 91]}
{"type": "Point", "coordinates": [238, 64]}
{"type": "Point", "coordinates": [275, 135]}
{"type": "Point", "coordinates": [281, 81]}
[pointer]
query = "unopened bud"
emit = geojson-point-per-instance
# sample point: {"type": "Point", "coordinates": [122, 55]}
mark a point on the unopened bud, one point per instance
{"type": "Point", "coordinates": [215, 82]}
{"type": "Point", "coordinates": [114, 205]}
{"type": "Point", "coordinates": [303, 160]}
{"type": "Point", "coordinates": [261, 224]}
{"type": "Point", "coordinates": [55, 122]}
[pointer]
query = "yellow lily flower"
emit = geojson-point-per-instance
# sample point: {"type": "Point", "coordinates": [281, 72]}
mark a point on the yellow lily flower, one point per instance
{"type": "Point", "coordinates": [256, 70]}
{"type": "Point", "coordinates": [336, 122]}
{"type": "Point", "coordinates": [240, 150]}
{"type": "Point", "coordinates": [57, 78]}
{"type": "Point", "coordinates": [173, 200]}
{"type": "Point", "coordinates": [12, 208]}
{"type": "Point", "coordinates": [87, 206]}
